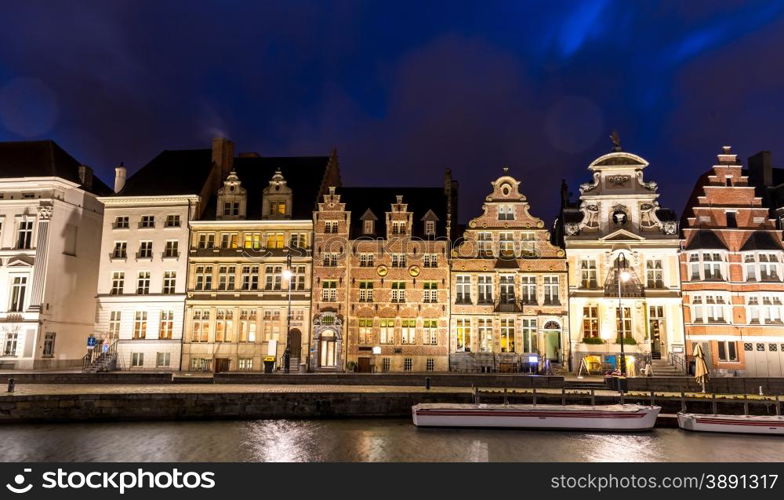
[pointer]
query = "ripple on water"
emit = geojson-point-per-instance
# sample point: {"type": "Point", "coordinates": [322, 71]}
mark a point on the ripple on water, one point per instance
{"type": "Point", "coordinates": [370, 440]}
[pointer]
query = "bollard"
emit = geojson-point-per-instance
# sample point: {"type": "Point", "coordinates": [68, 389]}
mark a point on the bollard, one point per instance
{"type": "Point", "coordinates": [11, 385]}
{"type": "Point", "coordinates": [427, 383]}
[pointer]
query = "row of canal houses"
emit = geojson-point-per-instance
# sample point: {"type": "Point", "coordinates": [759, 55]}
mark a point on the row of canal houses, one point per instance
{"type": "Point", "coordinates": [208, 260]}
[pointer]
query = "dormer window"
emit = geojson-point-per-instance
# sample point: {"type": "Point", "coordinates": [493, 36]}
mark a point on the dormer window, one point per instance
{"type": "Point", "coordinates": [505, 212]}
{"type": "Point", "coordinates": [430, 228]}
{"type": "Point", "coordinates": [368, 227]}
{"type": "Point", "coordinates": [277, 198]}
{"type": "Point", "coordinates": [232, 198]}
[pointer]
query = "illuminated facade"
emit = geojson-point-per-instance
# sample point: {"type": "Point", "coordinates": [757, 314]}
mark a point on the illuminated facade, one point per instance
{"type": "Point", "coordinates": [50, 221]}
{"type": "Point", "coordinates": [617, 228]}
{"type": "Point", "coordinates": [381, 279]}
{"type": "Point", "coordinates": [508, 288]}
{"type": "Point", "coordinates": [731, 269]}
{"type": "Point", "coordinates": [238, 284]}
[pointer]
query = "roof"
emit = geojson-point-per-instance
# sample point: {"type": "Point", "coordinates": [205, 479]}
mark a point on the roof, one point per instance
{"type": "Point", "coordinates": [379, 200]}
{"type": "Point", "coordinates": [705, 239]}
{"type": "Point", "coordinates": [43, 159]}
{"type": "Point", "coordinates": [171, 173]}
{"type": "Point", "coordinates": [761, 240]}
{"type": "Point", "coordinates": [303, 174]}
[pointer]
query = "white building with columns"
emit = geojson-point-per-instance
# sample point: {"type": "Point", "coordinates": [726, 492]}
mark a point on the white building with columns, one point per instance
{"type": "Point", "coordinates": [50, 224]}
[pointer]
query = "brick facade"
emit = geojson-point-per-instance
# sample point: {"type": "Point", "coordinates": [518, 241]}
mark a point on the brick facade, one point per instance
{"type": "Point", "coordinates": [731, 270]}
{"type": "Point", "coordinates": [381, 280]}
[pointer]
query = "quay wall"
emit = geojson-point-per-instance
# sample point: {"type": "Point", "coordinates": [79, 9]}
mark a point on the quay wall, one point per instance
{"type": "Point", "coordinates": [210, 406]}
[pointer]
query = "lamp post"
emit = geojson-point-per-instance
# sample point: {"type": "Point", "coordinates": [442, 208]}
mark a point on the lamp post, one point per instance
{"type": "Point", "coordinates": [288, 275]}
{"type": "Point", "coordinates": [623, 276]}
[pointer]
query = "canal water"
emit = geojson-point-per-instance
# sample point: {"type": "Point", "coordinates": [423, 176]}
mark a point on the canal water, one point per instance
{"type": "Point", "coordinates": [371, 440]}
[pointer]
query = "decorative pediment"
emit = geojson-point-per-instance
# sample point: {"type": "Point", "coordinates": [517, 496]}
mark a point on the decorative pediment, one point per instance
{"type": "Point", "coordinates": [20, 261]}
{"type": "Point", "coordinates": [621, 235]}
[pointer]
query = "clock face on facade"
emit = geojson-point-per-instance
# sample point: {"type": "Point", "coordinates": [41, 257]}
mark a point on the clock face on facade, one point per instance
{"type": "Point", "coordinates": [414, 271]}
{"type": "Point", "coordinates": [619, 217]}
{"type": "Point", "coordinates": [382, 270]}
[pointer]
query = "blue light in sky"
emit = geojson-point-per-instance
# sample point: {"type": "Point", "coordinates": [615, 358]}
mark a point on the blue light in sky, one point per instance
{"type": "Point", "coordinates": [578, 25]}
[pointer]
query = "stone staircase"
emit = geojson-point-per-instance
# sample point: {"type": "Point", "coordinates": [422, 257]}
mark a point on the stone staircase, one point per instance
{"type": "Point", "coordinates": [662, 368]}
{"type": "Point", "coordinates": [294, 365]}
{"type": "Point", "coordinates": [98, 361]}
{"type": "Point", "coordinates": [105, 362]}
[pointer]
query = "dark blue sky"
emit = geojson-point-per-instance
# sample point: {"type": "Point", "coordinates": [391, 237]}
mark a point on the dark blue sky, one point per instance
{"type": "Point", "coordinates": [403, 89]}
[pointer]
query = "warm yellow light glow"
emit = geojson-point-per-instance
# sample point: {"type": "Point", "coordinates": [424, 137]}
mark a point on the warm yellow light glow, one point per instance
{"type": "Point", "coordinates": [287, 274]}
{"type": "Point", "coordinates": [626, 276]}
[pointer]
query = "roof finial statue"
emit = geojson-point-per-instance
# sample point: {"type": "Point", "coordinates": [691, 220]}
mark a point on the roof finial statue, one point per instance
{"type": "Point", "coordinates": [616, 140]}
{"type": "Point", "coordinates": [506, 170]}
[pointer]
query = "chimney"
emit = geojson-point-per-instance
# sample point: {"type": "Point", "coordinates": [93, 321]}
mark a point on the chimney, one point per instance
{"type": "Point", "coordinates": [761, 168]}
{"type": "Point", "coordinates": [86, 176]}
{"type": "Point", "coordinates": [119, 178]}
{"type": "Point", "coordinates": [223, 155]}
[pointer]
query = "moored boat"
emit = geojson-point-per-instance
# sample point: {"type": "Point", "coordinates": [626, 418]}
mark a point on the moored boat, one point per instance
{"type": "Point", "coordinates": [627, 417]}
{"type": "Point", "coordinates": [742, 424]}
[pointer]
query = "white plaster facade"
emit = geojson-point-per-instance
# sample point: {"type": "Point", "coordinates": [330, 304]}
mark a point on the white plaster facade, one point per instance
{"type": "Point", "coordinates": [145, 315]}
{"type": "Point", "coordinates": [49, 234]}
{"type": "Point", "coordinates": [620, 227]}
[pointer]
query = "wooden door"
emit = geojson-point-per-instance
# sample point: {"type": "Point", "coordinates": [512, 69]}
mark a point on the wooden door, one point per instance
{"type": "Point", "coordinates": [222, 365]}
{"type": "Point", "coordinates": [363, 365]}
{"type": "Point", "coordinates": [295, 345]}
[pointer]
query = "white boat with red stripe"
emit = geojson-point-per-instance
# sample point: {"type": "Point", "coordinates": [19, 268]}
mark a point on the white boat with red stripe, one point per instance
{"type": "Point", "coordinates": [627, 417]}
{"type": "Point", "coordinates": [741, 424]}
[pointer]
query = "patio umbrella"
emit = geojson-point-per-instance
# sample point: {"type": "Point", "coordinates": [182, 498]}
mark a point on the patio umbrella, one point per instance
{"type": "Point", "coordinates": [700, 366]}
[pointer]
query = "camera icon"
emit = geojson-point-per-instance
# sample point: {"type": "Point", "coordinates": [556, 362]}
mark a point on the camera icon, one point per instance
{"type": "Point", "coordinates": [19, 481]}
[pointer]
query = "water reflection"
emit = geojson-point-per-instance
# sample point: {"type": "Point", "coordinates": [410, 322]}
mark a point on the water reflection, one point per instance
{"type": "Point", "coordinates": [376, 440]}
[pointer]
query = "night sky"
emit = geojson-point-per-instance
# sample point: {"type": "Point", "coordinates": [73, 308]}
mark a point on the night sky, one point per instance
{"type": "Point", "coordinates": [403, 89]}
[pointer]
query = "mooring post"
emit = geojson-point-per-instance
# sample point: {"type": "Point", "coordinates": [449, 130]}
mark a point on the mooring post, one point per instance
{"type": "Point", "coordinates": [683, 402]}
{"type": "Point", "coordinates": [563, 396]}
{"type": "Point", "coordinates": [746, 404]}
{"type": "Point", "coordinates": [778, 405]}
{"type": "Point", "coordinates": [593, 397]}
{"type": "Point", "coordinates": [653, 398]}
{"type": "Point", "coordinates": [713, 403]}
{"type": "Point", "coordinates": [534, 396]}
{"type": "Point", "coordinates": [506, 398]}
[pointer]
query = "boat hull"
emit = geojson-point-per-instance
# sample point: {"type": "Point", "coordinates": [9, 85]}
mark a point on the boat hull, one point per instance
{"type": "Point", "coordinates": [568, 417]}
{"type": "Point", "coordinates": [737, 424]}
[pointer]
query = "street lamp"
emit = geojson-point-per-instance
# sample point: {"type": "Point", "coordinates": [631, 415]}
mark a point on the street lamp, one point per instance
{"type": "Point", "coordinates": [287, 275]}
{"type": "Point", "coordinates": [623, 277]}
